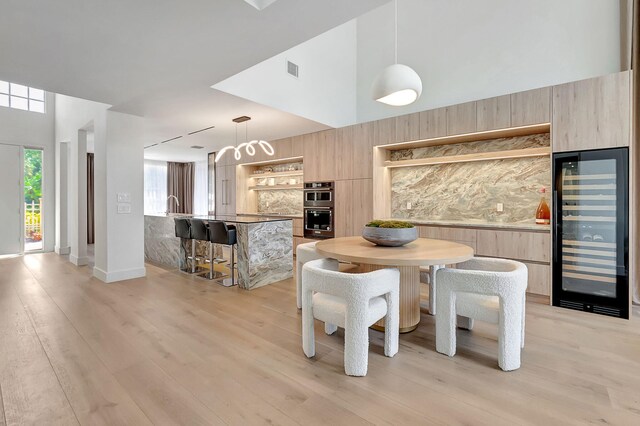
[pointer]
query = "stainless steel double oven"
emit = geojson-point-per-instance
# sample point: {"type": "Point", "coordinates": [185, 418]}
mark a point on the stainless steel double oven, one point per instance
{"type": "Point", "coordinates": [319, 200]}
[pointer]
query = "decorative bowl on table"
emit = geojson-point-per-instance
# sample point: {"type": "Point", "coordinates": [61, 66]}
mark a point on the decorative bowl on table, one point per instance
{"type": "Point", "coordinates": [389, 233]}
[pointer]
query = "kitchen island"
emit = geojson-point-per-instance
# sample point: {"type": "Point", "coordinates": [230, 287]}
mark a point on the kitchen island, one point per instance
{"type": "Point", "coordinates": [264, 248]}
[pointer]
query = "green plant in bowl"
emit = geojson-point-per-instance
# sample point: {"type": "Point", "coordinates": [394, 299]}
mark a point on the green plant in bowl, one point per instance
{"type": "Point", "coordinates": [391, 233]}
{"type": "Point", "coordinates": [389, 224]}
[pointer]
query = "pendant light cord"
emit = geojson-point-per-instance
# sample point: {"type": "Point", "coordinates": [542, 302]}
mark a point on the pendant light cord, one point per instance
{"type": "Point", "coordinates": [395, 4]}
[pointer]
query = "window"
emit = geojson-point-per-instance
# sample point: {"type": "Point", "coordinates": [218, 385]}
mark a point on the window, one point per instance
{"type": "Point", "coordinates": [155, 187]}
{"type": "Point", "coordinates": [21, 97]}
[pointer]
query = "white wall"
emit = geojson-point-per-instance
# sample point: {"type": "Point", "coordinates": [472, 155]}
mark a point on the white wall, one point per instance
{"type": "Point", "coordinates": [120, 164]}
{"type": "Point", "coordinates": [326, 88]}
{"type": "Point", "coordinates": [118, 141]}
{"type": "Point", "coordinates": [72, 115]}
{"type": "Point", "coordinates": [467, 50]}
{"type": "Point", "coordinates": [35, 130]}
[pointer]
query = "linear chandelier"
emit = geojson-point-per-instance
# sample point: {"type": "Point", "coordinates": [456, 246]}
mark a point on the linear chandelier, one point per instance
{"type": "Point", "coordinates": [249, 146]}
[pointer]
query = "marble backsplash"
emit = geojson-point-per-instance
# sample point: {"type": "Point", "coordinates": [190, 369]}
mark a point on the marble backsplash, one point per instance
{"type": "Point", "coordinates": [282, 201]}
{"type": "Point", "coordinates": [471, 191]}
{"type": "Point", "coordinates": [502, 144]}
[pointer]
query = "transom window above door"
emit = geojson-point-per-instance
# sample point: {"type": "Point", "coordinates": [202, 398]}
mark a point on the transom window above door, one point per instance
{"type": "Point", "coordinates": [17, 96]}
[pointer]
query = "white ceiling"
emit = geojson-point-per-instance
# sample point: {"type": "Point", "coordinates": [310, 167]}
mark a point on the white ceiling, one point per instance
{"type": "Point", "coordinates": [159, 58]}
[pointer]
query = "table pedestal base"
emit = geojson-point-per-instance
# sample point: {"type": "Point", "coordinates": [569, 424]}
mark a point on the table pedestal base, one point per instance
{"type": "Point", "coordinates": [409, 296]}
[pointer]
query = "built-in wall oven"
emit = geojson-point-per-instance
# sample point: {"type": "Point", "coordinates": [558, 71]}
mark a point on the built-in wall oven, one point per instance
{"type": "Point", "coordinates": [318, 210]}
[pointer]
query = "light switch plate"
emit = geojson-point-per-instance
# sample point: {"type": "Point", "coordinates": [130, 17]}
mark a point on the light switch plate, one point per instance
{"type": "Point", "coordinates": [500, 207]}
{"type": "Point", "coordinates": [124, 208]}
{"type": "Point", "coordinates": [124, 197]}
{"type": "Point", "coordinates": [408, 205]}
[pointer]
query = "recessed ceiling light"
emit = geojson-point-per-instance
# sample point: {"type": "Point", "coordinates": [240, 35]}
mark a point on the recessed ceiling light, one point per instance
{"type": "Point", "coordinates": [260, 4]}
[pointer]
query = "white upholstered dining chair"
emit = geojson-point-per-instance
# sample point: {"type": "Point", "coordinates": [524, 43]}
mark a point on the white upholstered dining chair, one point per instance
{"type": "Point", "coordinates": [491, 290]}
{"type": "Point", "coordinates": [304, 253]}
{"type": "Point", "coordinates": [354, 302]}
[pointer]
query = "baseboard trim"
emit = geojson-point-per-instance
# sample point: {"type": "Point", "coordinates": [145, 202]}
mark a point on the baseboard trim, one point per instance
{"type": "Point", "coordinates": [62, 250]}
{"type": "Point", "coordinates": [79, 261]}
{"type": "Point", "coordinates": [113, 276]}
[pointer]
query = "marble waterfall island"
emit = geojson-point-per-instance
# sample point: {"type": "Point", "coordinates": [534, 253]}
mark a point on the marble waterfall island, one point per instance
{"type": "Point", "coordinates": [264, 248]}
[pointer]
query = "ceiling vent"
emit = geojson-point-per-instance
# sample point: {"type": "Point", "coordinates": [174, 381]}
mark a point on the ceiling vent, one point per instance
{"type": "Point", "coordinates": [260, 4]}
{"type": "Point", "coordinates": [292, 69]}
{"type": "Point", "coordinates": [196, 147]}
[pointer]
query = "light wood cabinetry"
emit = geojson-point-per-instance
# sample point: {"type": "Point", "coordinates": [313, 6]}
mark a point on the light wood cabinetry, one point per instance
{"type": "Point", "coordinates": [493, 113]}
{"type": "Point", "coordinates": [343, 154]}
{"type": "Point", "coordinates": [518, 245]}
{"type": "Point", "coordinates": [311, 155]}
{"type": "Point", "coordinates": [592, 114]}
{"type": "Point", "coordinates": [353, 207]}
{"type": "Point", "coordinates": [385, 131]}
{"type": "Point", "coordinates": [225, 189]}
{"type": "Point", "coordinates": [531, 107]}
{"type": "Point", "coordinates": [459, 235]}
{"type": "Point", "coordinates": [408, 127]}
{"type": "Point", "coordinates": [361, 146]}
{"type": "Point", "coordinates": [539, 278]}
{"type": "Point", "coordinates": [461, 118]}
{"type": "Point", "coordinates": [433, 123]}
{"type": "Point", "coordinates": [298, 227]}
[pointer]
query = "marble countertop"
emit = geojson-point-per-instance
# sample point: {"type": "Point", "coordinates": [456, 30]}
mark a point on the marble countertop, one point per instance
{"type": "Point", "coordinates": [284, 215]}
{"type": "Point", "coordinates": [226, 218]}
{"type": "Point", "coordinates": [526, 226]}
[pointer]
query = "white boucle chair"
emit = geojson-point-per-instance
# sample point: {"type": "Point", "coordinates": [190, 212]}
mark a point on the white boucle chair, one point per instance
{"type": "Point", "coordinates": [354, 302]}
{"type": "Point", "coordinates": [485, 289]}
{"type": "Point", "coordinates": [428, 276]}
{"type": "Point", "coordinates": [304, 253]}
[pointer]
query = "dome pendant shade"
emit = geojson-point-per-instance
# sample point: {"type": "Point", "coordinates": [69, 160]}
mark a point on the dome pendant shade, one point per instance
{"type": "Point", "coordinates": [397, 85]}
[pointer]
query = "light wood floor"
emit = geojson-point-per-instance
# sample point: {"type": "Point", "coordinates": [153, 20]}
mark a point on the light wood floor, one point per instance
{"type": "Point", "coordinates": [172, 349]}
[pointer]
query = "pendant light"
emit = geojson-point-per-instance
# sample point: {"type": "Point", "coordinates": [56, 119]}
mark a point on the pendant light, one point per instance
{"type": "Point", "coordinates": [249, 146]}
{"type": "Point", "coordinates": [397, 84]}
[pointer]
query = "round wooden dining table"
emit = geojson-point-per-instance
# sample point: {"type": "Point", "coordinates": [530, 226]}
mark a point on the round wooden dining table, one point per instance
{"type": "Point", "coordinates": [408, 259]}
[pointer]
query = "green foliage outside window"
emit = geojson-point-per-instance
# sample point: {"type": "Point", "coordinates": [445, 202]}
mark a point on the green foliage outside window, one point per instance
{"type": "Point", "coordinates": [32, 175]}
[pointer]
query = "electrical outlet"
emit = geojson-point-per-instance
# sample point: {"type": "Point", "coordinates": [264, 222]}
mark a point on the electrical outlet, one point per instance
{"type": "Point", "coordinates": [408, 205]}
{"type": "Point", "coordinates": [124, 208]}
{"type": "Point", "coordinates": [500, 207]}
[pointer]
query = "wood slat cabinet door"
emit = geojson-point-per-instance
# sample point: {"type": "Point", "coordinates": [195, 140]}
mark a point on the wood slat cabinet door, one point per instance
{"type": "Point", "coordinates": [518, 245]}
{"type": "Point", "coordinates": [433, 123]}
{"type": "Point", "coordinates": [310, 153]}
{"type": "Point", "coordinates": [493, 113]}
{"type": "Point", "coordinates": [342, 208]}
{"type": "Point", "coordinates": [457, 235]}
{"type": "Point", "coordinates": [362, 151]}
{"type": "Point", "coordinates": [283, 148]}
{"type": "Point", "coordinates": [592, 114]}
{"type": "Point", "coordinates": [461, 118]}
{"type": "Point", "coordinates": [385, 131]}
{"type": "Point", "coordinates": [297, 146]}
{"type": "Point", "coordinates": [539, 279]}
{"type": "Point", "coordinates": [326, 155]}
{"type": "Point", "coordinates": [408, 127]}
{"type": "Point", "coordinates": [361, 205]}
{"type": "Point", "coordinates": [342, 161]}
{"type": "Point", "coordinates": [531, 107]}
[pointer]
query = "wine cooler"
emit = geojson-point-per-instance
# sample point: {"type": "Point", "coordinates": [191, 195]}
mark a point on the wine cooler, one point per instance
{"type": "Point", "coordinates": [591, 231]}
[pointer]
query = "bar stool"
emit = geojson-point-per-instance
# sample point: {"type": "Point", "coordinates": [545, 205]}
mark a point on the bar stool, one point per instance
{"type": "Point", "coordinates": [221, 233]}
{"type": "Point", "coordinates": [183, 231]}
{"type": "Point", "coordinates": [199, 232]}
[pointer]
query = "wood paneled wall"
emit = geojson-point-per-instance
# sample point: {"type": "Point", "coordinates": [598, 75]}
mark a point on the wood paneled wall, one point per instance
{"type": "Point", "coordinates": [588, 114]}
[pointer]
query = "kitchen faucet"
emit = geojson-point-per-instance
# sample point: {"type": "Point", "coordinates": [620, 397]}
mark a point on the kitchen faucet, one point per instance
{"type": "Point", "coordinates": [169, 200]}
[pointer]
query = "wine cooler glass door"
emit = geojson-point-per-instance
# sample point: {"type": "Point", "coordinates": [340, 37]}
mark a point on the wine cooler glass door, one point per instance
{"type": "Point", "coordinates": [591, 233]}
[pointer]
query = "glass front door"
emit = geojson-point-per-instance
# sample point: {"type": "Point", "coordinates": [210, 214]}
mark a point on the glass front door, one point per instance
{"type": "Point", "coordinates": [33, 207]}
